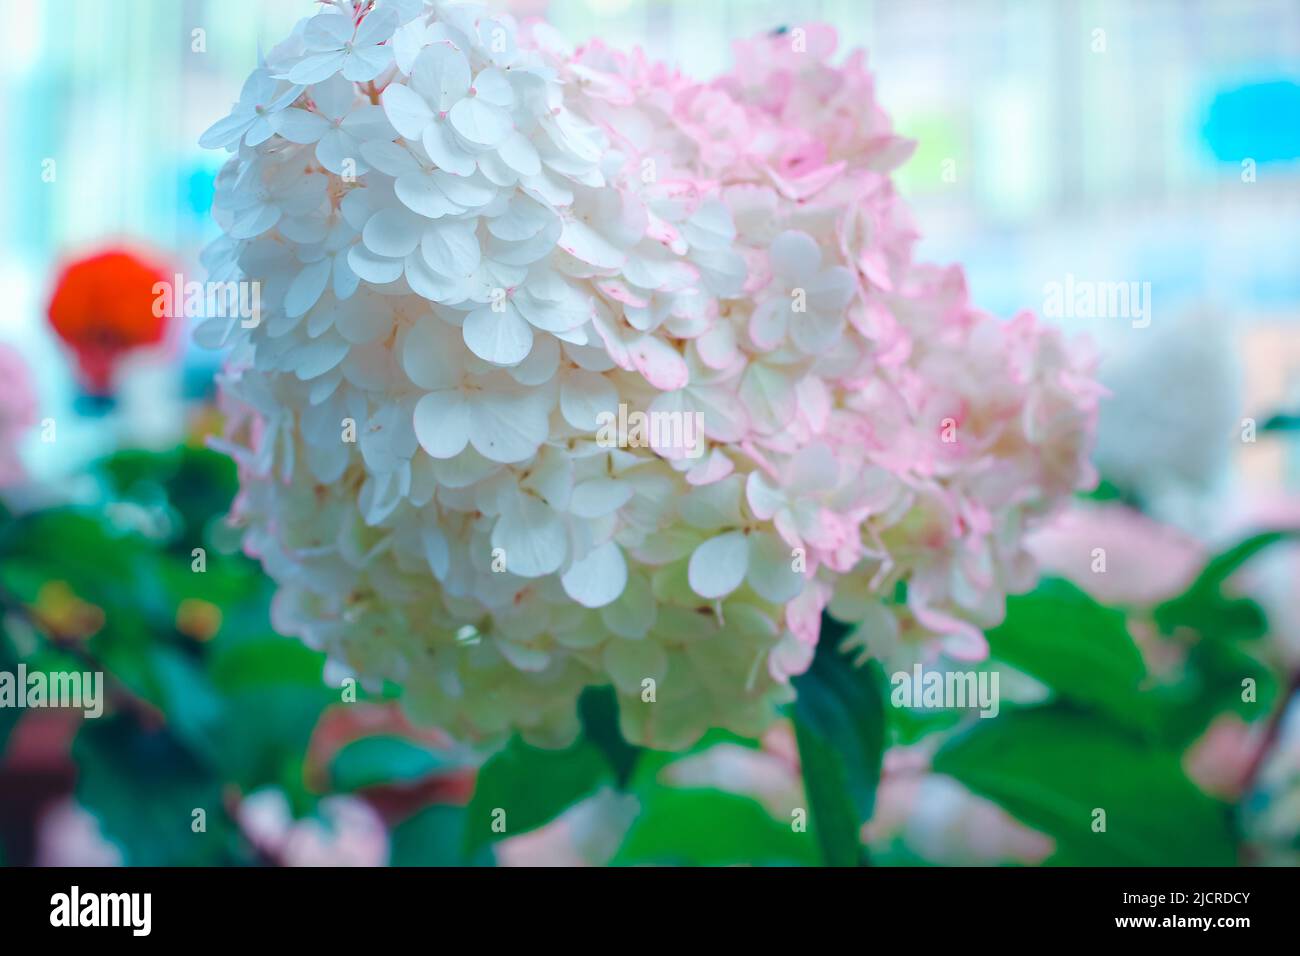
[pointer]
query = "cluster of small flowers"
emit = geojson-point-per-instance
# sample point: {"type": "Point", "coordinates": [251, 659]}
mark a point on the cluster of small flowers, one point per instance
{"type": "Point", "coordinates": [477, 246]}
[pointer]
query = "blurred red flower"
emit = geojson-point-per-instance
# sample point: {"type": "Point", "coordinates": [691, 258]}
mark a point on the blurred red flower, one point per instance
{"type": "Point", "coordinates": [103, 307]}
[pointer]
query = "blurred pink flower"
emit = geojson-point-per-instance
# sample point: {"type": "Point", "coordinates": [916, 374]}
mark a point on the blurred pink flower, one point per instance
{"type": "Point", "coordinates": [69, 835]}
{"type": "Point", "coordinates": [1146, 562]}
{"type": "Point", "coordinates": [940, 820]}
{"type": "Point", "coordinates": [1218, 760]}
{"type": "Point", "coordinates": [348, 831]}
{"type": "Point", "coordinates": [17, 413]}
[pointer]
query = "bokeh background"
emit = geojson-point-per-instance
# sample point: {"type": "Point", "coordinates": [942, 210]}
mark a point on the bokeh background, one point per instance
{"type": "Point", "coordinates": [1151, 141]}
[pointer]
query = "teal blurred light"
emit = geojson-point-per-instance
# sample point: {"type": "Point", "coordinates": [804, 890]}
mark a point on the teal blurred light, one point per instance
{"type": "Point", "coordinates": [1260, 121]}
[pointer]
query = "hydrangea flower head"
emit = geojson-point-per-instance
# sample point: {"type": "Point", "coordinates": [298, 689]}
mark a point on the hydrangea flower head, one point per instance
{"type": "Point", "coordinates": [577, 372]}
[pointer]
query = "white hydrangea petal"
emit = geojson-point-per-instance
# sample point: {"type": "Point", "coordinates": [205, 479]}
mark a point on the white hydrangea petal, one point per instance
{"type": "Point", "coordinates": [441, 73]}
{"type": "Point", "coordinates": [434, 286]}
{"type": "Point", "coordinates": [366, 63]}
{"type": "Point", "coordinates": [479, 123]}
{"type": "Point", "coordinates": [768, 323]}
{"type": "Point", "coordinates": [362, 320]}
{"type": "Point", "coordinates": [329, 31]}
{"type": "Point", "coordinates": [498, 41]}
{"type": "Point", "coordinates": [795, 255]}
{"type": "Point", "coordinates": [816, 331]}
{"type": "Point", "coordinates": [470, 192]}
{"type": "Point", "coordinates": [317, 66]}
{"type": "Point", "coordinates": [226, 131]}
{"type": "Point", "coordinates": [213, 333]}
{"type": "Point", "coordinates": [718, 566]}
{"type": "Point", "coordinates": [831, 290]}
{"type": "Point", "coordinates": [319, 356]}
{"type": "Point", "coordinates": [541, 364]}
{"type": "Point", "coordinates": [392, 233]}
{"type": "Point", "coordinates": [420, 194]}
{"type": "Point", "coordinates": [255, 221]}
{"type": "Point", "coordinates": [553, 316]}
{"type": "Point", "coordinates": [532, 537]}
{"type": "Point", "coordinates": [408, 40]}
{"type": "Point", "coordinates": [771, 569]}
{"type": "Point", "coordinates": [345, 280]}
{"type": "Point", "coordinates": [442, 423]}
{"type": "Point", "coordinates": [660, 363]}
{"type": "Point", "coordinates": [631, 662]}
{"type": "Point", "coordinates": [368, 122]}
{"type": "Point", "coordinates": [436, 550]}
{"type": "Point", "coordinates": [584, 396]}
{"type": "Point", "coordinates": [373, 267]}
{"type": "Point", "coordinates": [445, 152]}
{"type": "Point", "coordinates": [598, 578]}
{"type": "Point", "coordinates": [491, 86]}
{"type": "Point", "coordinates": [633, 614]}
{"type": "Point", "coordinates": [335, 149]}
{"type": "Point", "coordinates": [502, 338]}
{"type": "Point", "coordinates": [764, 500]}
{"type": "Point", "coordinates": [450, 248]}
{"type": "Point", "coordinates": [430, 354]}
{"type": "Point", "coordinates": [523, 219]}
{"type": "Point", "coordinates": [599, 497]}
{"type": "Point", "coordinates": [518, 152]}
{"type": "Point", "coordinates": [509, 427]}
{"type": "Point", "coordinates": [376, 27]}
{"type": "Point", "coordinates": [307, 287]}
{"type": "Point", "coordinates": [406, 110]}
{"type": "Point", "coordinates": [390, 159]}
{"type": "Point", "coordinates": [334, 97]}
{"type": "Point", "coordinates": [585, 243]}
{"type": "Point", "coordinates": [300, 126]}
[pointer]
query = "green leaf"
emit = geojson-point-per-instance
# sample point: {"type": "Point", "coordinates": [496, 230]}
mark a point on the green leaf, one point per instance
{"type": "Point", "coordinates": [385, 759]}
{"type": "Point", "coordinates": [1212, 684]}
{"type": "Point", "coordinates": [532, 787]}
{"type": "Point", "coordinates": [8, 715]}
{"type": "Point", "coordinates": [197, 484]}
{"type": "Point", "coordinates": [144, 787]}
{"type": "Point", "coordinates": [839, 719]}
{"type": "Point", "coordinates": [78, 548]}
{"type": "Point", "coordinates": [264, 736]}
{"type": "Point", "coordinates": [274, 696]}
{"type": "Point", "coordinates": [700, 827]}
{"type": "Point", "coordinates": [267, 661]}
{"type": "Point", "coordinates": [1282, 422]}
{"type": "Point", "coordinates": [1077, 647]}
{"type": "Point", "coordinates": [1052, 767]}
{"type": "Point", "coordinates": [194, 710]}
{"type": "Point", "coordinates": [1203, 606]}
{"type": "Point", "coordinates": [598, 711]}
{"type": "Point", "coordinates": [435, 837]}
